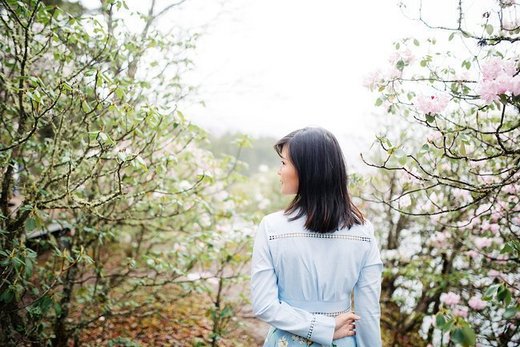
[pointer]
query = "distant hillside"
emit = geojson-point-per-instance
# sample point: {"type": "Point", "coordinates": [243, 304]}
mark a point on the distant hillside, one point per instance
{"type": "Point", "coordinates": [261, 152]}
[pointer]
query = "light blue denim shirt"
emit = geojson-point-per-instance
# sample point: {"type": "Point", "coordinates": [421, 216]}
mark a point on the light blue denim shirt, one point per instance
{"type": "Point", "coordinates": [301, 279]}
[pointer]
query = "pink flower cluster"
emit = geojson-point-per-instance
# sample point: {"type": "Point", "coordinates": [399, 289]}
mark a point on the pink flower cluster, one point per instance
{"type": "Point", "coordinates": [477, 303]}
{"type": "Point", "coordinates": [440, 239]}
{"type": "Point", "coordinates": [494, 228]}
{"type": "Point", "coordinates": [483, 242]}
{"type": "Point", "coordinates": [493, 274]}
{"type": "Point", "coordinates": [460, 311]}
{"type": "Point", "coordinates": [497, 79]}
{"type": "Point", "coordinates": [450, 298]}
{"type": "Point", "coordinates": [373, 79]}
{"type": "Point", "coordinates": [405, 55]}
{"type": "Point", "coordinates": [473, 254]}
{"type": "Point", "coordinates": [431, 103]}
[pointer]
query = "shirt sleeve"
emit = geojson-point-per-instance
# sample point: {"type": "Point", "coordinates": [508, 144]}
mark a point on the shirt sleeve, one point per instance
{"type": "Point", "coordinates": [268, 307]}
{"type": "Point", "coordinates": [367, 292]}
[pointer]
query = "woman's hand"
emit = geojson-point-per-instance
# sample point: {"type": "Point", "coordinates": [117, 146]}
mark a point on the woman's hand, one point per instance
{"type": "Point", "coordinates": [345, 325]}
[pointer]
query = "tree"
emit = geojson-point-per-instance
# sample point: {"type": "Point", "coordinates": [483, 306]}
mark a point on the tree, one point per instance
{"type": "Point", "coordinates": [462, 174]}
{"type": "Point", "coordinates": [91, 140]}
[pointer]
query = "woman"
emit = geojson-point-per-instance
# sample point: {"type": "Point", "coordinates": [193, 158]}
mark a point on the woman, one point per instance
{"type": "Point", "coordinates": [308, 259]}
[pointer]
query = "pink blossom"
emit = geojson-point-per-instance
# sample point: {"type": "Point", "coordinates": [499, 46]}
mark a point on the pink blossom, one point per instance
{"type": "Point", "coordinates": [493, 274]}
{"type": "Point", "coordinates": [404, 55]}
{"type": "Point", "coordinates": [510, 24]}
{"type": "Point", "coordinates": [514, 85]}
{"type": "Point", "coordinates": [372, 80]}
{"type": "Point", "coordinates": [434, 136]}
{"type": "Point", "coordinates": [497, 79]}
{"type": "Point", "coordinates": [485, 226]}
{"type": "Point", "coordinates": [460, 311]}
{"type": "Point", "coordinates": [483, 242]}
{"type": "Point", "coordinates": [473, 254]}
{"type": "Point", "coordinates": [494, 67]}
{"type": "Point", "coordinates": [407, 56]}
{"type": "Point", "coordinates": [511, 189]}
{"type": "Point", "coordinates": [488, 91]}
{"type": "Point", "coordinates": [477, 303]}
{"type": "Point", "coordinates": [394, 58]}
{"type": "Point", "coordinates": [495, 228]}
{"type": "Point", "coordinates": [495, 216]}
{"type": "Point", "coordinates": [440, 239]}
{"type": "Point", "coordinates": [431, 103]}
{"type": "Point", "coordinates": [516, 220]}
{"type": "Point", "coordinates": [503, 83]}
{"type": "Point", "coordinates": [462, 75]}
{"type": "Point", "coordinates": [450, 298]}
{"type": "Point", "coordinates": [393, 73]}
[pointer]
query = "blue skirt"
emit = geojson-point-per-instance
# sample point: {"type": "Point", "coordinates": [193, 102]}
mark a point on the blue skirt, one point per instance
{"type": "Point", "coordinates": [280, 338]}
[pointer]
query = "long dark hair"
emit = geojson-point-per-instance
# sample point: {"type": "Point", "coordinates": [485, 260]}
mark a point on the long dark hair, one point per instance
{"type": "Point", "coordinates": [322, 192]}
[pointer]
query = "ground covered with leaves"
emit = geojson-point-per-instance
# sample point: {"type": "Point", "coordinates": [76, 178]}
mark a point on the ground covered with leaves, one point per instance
{"type": "Point", "coordinates": [184, 322]}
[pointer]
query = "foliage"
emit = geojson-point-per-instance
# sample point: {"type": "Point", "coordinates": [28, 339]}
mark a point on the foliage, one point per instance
{"type": "Point", "coordinates": [451, 190]}
{"type": "Point", "coordinates": [92, 141]}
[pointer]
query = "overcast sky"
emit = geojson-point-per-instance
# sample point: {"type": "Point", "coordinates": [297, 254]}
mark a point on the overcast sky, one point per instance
{"type": "Point", "coordinates": [272, 66]}
{"type": "Point", "coordinates": [267, 67]}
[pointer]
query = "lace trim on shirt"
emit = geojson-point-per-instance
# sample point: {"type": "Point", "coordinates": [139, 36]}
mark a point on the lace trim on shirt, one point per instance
{"type": "Point", "coordinates": [331, 314]}
{"type": "Point", "coordinates": [320, 236]}
{"type": "Point", "coordinates": [313, 322]}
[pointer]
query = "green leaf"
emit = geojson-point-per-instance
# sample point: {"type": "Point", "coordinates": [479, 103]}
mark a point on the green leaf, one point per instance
{"type": "Point", "coordinates": [440, 321]}
{"type": "Point", "coordinates": [30, 224]}
{"type": "Point", "coordinates": [226, 312]}
{"type": "Point", "coordinates": [119, 93]}
{"type": "Point", "coordinates": [462, 149]}
{"type": "Point", "coordinates": [489, 29]}
{"type": "Point", "coordinates": [92, 135]}
{"type": "Point", "coordinates": [379, 102]}
{"type": "Point", "coordinates": [66, 87]}
{"type": "Point", "coordinates": [57, 308]}
{"type": "Point", "coordinates": [452, 35]}
{"type": "Point", "coordinates": [28, 267]}
{"type": "Point", "coordinates": [510, 312]}
{"type": "Point", "coordinates": [464, 336]}
{"type": "Point", "coordinates": [502, 293]}
{"type": "Point", "coordinates": [490, 292]}
{"type": "Point", "coordinates": [45, 303]}
{"type": "Point", "coordinates": [430, 118]}
{"type": "Point", "coordinates": [416, 42]}
{"type": "Point", "coordinates": [85, 107]}
{"type": "Point", "coordinates": [141, 162]}
{"type": "Point", "coordinates": [7, 295]}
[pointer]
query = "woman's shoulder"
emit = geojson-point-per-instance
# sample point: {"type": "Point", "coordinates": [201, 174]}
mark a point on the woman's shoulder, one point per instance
{"type": "Point", "coordinates": [275, 218]}
{"type": "Point", "coordinates": [365, 229]}
{"type": "Point", "coordinates": [279, 220]}
{"type": "Point", "coordinates": [274, 215]}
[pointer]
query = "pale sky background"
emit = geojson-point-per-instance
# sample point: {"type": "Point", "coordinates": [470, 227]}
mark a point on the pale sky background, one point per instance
{"type": "Point", "coordinates": [267, 67]}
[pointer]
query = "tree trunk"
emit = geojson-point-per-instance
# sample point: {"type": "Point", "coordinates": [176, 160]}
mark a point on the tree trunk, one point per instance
{"type": "Point", "coordinates": [61, 334]}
